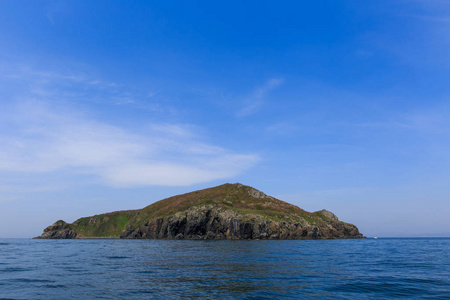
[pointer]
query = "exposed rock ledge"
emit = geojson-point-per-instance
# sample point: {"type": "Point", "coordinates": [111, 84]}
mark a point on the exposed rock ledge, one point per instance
{"type": "Point", "coordinates": [208, 222]}
{"type": "Point", "coordinates": [59, 230]}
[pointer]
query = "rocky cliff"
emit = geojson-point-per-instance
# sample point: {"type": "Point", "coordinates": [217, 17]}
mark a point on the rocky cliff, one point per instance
{"type": "Point", "coordinates": [59, 230]}
{"type": "Point", "coordinates": [229, 211]}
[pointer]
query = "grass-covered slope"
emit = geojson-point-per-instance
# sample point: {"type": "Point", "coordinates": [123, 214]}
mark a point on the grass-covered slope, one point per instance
{"type": "Point", "coordinates": [242, 203]}
{"type": "Point", "coordinates": [236, 197]}
{"type": "Point", "coordinates": [104, 225]}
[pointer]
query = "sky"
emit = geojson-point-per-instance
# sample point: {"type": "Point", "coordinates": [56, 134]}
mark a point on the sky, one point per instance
{"type": "Point", "coordinates": [114, 105]}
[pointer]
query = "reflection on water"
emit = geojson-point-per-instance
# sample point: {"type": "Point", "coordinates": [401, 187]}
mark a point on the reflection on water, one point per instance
{"type": "Point", "coordinates": [127, 269]}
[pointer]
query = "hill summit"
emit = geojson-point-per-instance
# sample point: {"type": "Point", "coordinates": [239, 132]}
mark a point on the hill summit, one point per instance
{"type": "Point", "coordinates": [228, 211]}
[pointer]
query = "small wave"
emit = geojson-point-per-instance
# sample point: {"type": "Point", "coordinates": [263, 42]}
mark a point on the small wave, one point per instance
{"type": "Point", "coordinates": [12, 269]}
{"type": "Point", "coordinates": [4, 244]}
{"type": "Point", "coordinates": [145, 272]}
{"type": "Point", "coordinates": [139, 292]}
{"type": "Point", "coordinates": [117, 257]}
{"type": "Point", "coordinates": [55, 286]}
{"type": "Point", "coordinates": [30, 280]}
{"type": "Point", "coordinates": [384, 288]}
{"type": "Point", "coordinates": [425, 281]}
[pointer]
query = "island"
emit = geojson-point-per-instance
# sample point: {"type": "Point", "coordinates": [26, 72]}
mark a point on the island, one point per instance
{"type": "Point", "coordinates": [228, 211]}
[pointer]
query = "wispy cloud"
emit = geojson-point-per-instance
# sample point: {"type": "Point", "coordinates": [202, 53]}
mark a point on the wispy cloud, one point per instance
{"type": "Point", "coordinates": [254, 102]}
{"type": "Point", "coordinates": [44, 140]}
{"type": "Point", "coordinates": [48, 128]}
{"type": "Point", "coordinates": [79, 87]}
{"type": "Point", "coordinates": [432, 11]}
{"type": "Point", "coordinates": [430, 121]}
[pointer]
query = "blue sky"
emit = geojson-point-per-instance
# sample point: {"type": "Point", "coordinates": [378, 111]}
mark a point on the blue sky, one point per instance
{"type": "Point", "coordinates": [112, 105]}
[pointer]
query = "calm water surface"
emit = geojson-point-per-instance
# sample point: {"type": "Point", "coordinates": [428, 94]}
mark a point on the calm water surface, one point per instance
{"type": "Point", "coordinates": [142, 269]}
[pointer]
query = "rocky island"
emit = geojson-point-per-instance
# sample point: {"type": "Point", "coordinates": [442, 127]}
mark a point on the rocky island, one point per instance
{"type": "Point", "coordinates": [228, 211]}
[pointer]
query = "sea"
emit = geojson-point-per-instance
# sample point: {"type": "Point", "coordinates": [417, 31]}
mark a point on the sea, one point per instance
{"type": "Point", "coordinates": [383, 268]}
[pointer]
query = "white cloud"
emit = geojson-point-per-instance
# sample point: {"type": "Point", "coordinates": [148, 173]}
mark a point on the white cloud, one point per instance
{"type": "Point", "coordinates": [38, 139]}
{"type": "Point", "coordinates": [254, 102]}
{"type": "Point", "coordinates": [45, 140]}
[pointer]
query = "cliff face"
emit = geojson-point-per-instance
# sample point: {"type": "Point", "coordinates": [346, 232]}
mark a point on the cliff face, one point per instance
{"type": "Point", "coordinates": [209, 222]}
{"type": "Point", "coordinates": [59, 230]}
{"type": "Point", "coordinates": [230, 211]}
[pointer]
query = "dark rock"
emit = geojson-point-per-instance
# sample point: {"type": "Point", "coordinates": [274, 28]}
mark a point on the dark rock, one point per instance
{"type": "Point", "coordinates": [59, 230]}
{"type": "Point", "coordinates": [215, 223]}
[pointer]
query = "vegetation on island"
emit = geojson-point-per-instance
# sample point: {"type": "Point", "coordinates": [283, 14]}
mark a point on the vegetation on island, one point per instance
{"type": "Point", "coordinates": [226, 211]}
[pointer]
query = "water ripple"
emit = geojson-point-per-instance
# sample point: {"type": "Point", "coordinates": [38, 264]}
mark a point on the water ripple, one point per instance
{"type": "Point", "coordinates": [139, 269]}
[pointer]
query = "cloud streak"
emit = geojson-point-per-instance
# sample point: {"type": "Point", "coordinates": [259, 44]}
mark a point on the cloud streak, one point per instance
{"type": "Point", "coordinates": [43, 140]}
{"type": "Point", "coordinates": [78, 87]}
{"type": "Point", "coordinates": [254, 102]}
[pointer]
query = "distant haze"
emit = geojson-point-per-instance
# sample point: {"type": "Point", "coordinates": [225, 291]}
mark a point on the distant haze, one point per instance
{"type": "Point", "coordinates": [110, 106]}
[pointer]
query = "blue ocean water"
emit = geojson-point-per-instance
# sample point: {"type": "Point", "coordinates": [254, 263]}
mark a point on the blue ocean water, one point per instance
{"type": "Point", "coordinates": [142, 269]}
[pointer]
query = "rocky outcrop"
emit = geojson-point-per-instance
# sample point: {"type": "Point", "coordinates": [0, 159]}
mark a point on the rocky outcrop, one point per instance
{"type": "Point", "coordinates": [59, 230]}
{"type": "Point", "coordinates": [208, 222]}
{"type": "Point", "coordinates": [328, 214]}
